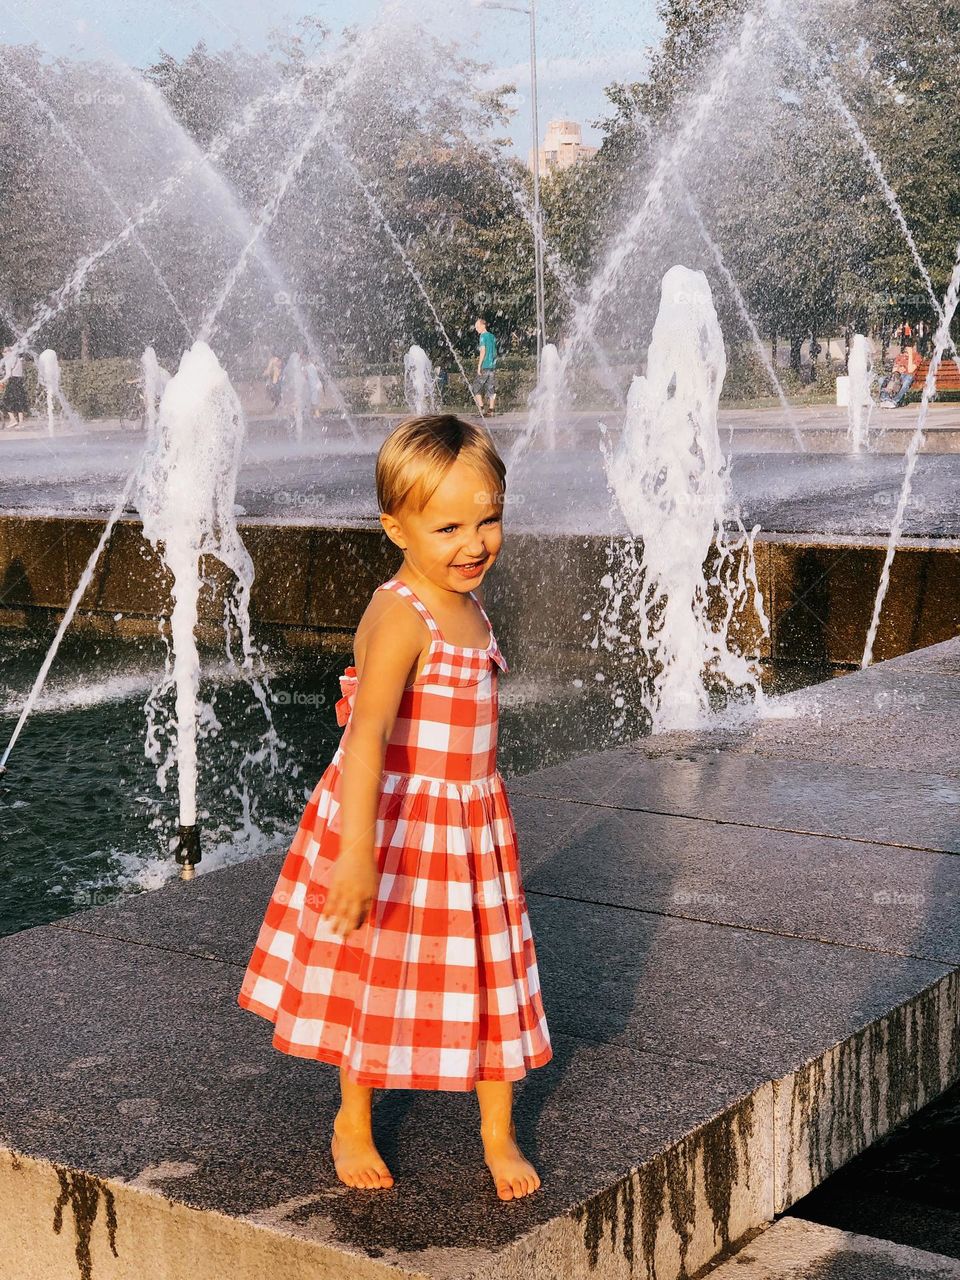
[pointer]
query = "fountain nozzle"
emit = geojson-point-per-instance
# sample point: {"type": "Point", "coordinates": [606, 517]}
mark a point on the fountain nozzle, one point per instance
{"type": "Point", "coordinates": [188, 850]}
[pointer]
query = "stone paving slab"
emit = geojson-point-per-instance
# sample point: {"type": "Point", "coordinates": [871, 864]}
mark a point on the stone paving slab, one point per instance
{"type": "Point", "coordinates": [904, 903]}
{"type": "Point", "coordinates": [937, 659]}
{"type": "Point", "coordinates": [805, 796]}
{"type": "Point", "coordinates": [796, 1250]}
{"type": "Point", "coordinates": [759, 1002]}
{"type": "Point", "coordinates": [850, 893]}
{"type": "Point", "coordinates": [868, 721]}
{"type": "Point", "coordinates": [613, 973]}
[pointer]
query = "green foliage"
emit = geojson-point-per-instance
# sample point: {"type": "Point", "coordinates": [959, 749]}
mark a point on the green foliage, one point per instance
{"type": "Point", "coordinates": [397, 183]}
{"type": "Point", "coordinates": [784, 189]}
{"type": "Point", "coordinates": [102, 388]}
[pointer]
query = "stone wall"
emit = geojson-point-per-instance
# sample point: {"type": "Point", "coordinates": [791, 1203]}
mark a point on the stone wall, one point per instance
{"type": "Point", "coordinates": [313, 582]}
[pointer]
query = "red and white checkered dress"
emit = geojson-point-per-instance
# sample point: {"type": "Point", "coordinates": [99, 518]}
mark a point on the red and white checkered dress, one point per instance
{"type": "Point", "coordinates": [438, 988]}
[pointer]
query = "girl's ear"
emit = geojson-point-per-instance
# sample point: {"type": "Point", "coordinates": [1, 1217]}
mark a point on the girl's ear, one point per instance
{"type": "Point", "coordinates": [391, 528]}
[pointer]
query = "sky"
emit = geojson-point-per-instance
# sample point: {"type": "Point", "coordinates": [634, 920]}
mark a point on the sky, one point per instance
{"type": "Point", "coordinates": [581, 46]}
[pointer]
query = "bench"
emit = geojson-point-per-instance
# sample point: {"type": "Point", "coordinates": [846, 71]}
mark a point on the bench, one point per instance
{"type": "Point", "coordinates": [948, 375]}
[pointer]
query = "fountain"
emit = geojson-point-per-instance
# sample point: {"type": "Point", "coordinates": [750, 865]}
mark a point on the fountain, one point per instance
{"type": "Point", "coordinates": [376, 209]}
{"type": "Point", "coordinates": [323, 193]}
{"type": "Point", "coordinates": [860, 401]}
{"type": "Point", "coordinates": [830, 91]}
{"type": "Point", "coordinates": [154, 378]}
{"type": "Point", "coordinates": [314, 387]}
{"type": "Point", "coordinates": [672, 152]}
{"type": "Point", "coordinates": [545, 399]}
{"type": "Point", "coordinates": [48, 377]}
{"type": "Point", "coordinates": [86, 578]}
{"type": "Point", "coordinates": [670, 478]}
{"type": "Point", "coordinates": [220, 236]}
{"type": "Point", "coordinates": [186, 501]}
{"type": "Point", "coordinates": [419, 382]}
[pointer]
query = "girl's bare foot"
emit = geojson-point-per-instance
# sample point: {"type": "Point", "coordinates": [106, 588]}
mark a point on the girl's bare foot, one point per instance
{"type": "Point", "coordinates": [355, 1156]}
{"type": "Point", "coordinates": [513, 1174]}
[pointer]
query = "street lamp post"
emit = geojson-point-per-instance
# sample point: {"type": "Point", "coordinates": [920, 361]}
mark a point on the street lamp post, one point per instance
{"type": "Point", "coordinates": [530, 10]}
{"type": "Point", "coordinates": [537, 214]}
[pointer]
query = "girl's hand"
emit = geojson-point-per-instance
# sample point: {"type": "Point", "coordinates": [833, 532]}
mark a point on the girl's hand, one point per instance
{"type": "Point", "coordinates": [353, 884]}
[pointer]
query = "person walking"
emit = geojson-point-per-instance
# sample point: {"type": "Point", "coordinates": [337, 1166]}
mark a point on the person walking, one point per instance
{"type": "Point", "coordinates": [486, 380]}
{"type": "Point", "coordinates": [315, 387]}
{"type": "Point", "coordinates": [14, 402]}
{"type": "Point", "coordinates": [272, 375]}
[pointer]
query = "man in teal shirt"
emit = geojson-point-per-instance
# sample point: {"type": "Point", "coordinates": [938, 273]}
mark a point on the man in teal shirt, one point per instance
{"type": "Point", "coordinates": [486, 380]}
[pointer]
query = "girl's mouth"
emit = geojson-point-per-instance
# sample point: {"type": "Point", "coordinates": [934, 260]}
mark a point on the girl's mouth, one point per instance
{"type": "Point", "coordinates": [470, 569]}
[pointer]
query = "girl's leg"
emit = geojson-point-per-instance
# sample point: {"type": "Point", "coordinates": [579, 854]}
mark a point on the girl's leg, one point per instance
{"type": "Point", "coordinates": [513, 1174]}
{"type": "Point", "coordinates": [357, 1160]}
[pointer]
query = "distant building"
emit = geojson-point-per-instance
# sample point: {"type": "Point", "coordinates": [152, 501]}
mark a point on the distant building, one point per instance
{"type": "Point", "coordinates": [562, 147]}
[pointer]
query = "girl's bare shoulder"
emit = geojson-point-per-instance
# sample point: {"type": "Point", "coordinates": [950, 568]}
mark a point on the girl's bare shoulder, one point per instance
{"type": "Point", "coordinates": [390, 633]}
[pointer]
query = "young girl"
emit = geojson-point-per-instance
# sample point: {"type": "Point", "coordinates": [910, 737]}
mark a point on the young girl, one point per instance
{"type": "Point", "coordinates": [396, 944]}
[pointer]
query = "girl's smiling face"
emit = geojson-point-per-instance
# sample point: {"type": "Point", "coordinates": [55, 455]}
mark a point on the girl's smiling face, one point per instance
{"type": "Point", "coordinates": [455, 539]}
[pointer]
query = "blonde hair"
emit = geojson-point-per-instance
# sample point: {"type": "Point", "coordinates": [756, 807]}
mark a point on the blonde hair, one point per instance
{"type": "Point", "coordinates": [419, 452]}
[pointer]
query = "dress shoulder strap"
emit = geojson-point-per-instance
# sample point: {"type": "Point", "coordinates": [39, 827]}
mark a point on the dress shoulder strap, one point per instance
{"type": "Point", "coordinates": [495, 651]}
{"type": "Point", "coordinates": [483, 612]}
{"type": "Point", "coordinates": [394, 584]}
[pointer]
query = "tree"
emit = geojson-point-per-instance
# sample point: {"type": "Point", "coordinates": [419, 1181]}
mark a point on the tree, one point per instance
{"type": "Point", "coordinates": [780, 182]}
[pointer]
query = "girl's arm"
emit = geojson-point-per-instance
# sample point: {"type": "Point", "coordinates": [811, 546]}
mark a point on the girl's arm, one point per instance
{"type": "Point", "coordinates": [390, 638]}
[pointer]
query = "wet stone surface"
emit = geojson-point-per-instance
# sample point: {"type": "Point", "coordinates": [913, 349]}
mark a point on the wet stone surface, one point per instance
{"type": "Point", "coordinates": [707, 918]}
{"type": "Point", "coordinates": [154, 1062]}
{"type": "Point", "coordinates": [851, 893]}
{"type": "Point", "coordinates": [887, 806]}
{"type": "Point", "coordinates": [793, 1249]}
{"type": "Point", "coordinates": [905, 1188]}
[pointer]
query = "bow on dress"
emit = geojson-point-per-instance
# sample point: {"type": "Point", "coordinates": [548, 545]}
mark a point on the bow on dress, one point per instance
{"type": "Point", "coordinates": [348, 688]}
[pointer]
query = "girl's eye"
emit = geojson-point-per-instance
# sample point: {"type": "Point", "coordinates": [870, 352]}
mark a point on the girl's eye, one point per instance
{"type": "Point", "coordinates": [449, 528]}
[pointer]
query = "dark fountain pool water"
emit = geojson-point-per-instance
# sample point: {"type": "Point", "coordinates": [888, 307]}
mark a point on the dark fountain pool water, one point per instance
{"type": "Point", "coordinates": [83, 817]}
